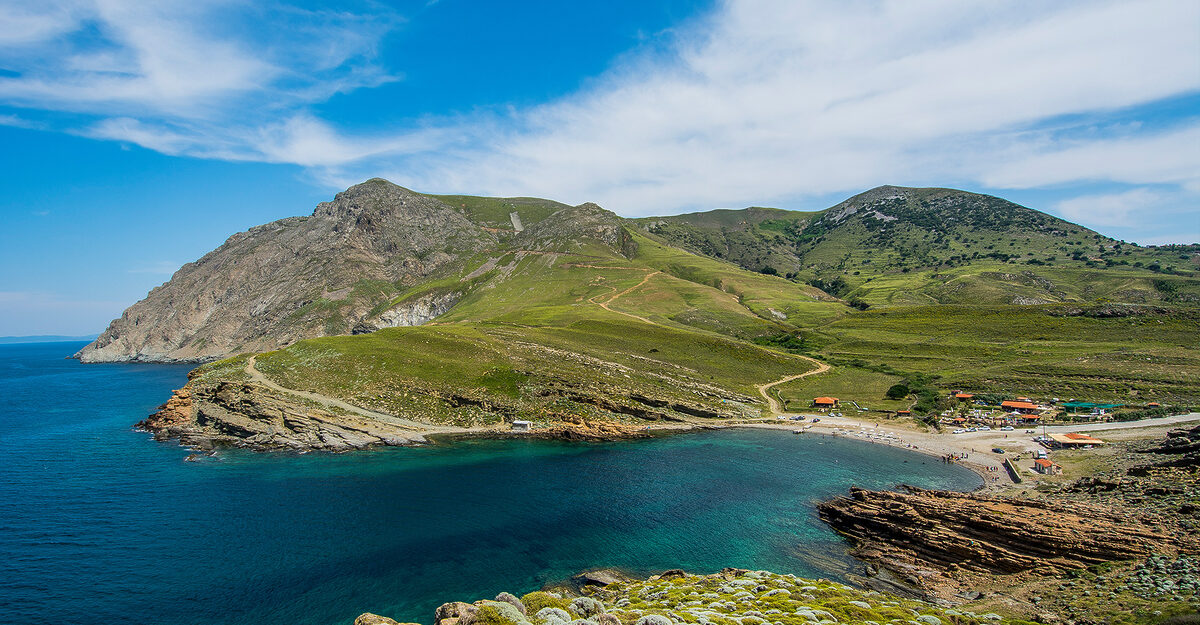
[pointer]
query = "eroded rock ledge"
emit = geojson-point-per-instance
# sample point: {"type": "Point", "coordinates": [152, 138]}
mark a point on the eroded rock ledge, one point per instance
{"type": "Point", "coordinates": [927, 536]}
{"type": "Point", "coordinates": [246, 414]}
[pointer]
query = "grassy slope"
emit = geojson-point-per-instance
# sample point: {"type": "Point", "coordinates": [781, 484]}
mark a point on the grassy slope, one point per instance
{"type": "Point", "coordinates": [530, 331]}
{"type": "Point", "coordinates": [531, 339]}
{"type": "Point", "coordinates": [994, 251]}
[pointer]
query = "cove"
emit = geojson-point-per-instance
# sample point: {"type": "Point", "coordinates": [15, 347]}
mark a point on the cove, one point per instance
{"type": "Point", "coordinates": [103, 524]}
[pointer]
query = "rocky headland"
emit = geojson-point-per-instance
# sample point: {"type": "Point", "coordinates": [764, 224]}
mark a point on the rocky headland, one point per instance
{"type": "Point", "coordinates": [300, 277]}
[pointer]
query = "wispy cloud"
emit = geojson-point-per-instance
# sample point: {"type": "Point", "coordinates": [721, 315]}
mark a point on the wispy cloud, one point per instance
{"type": "Point", "coordinates": [762, 101]}
{"type": "Point", "coordinates": [1112, 209]}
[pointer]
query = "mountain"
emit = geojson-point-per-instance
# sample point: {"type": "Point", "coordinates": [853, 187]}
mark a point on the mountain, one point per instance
{"type": "Point", "coordinates": [388, 314]}
{"type": "Point", "coordinates": [898, 245]}
{"type": "Point", "coordinates": [294, 278]}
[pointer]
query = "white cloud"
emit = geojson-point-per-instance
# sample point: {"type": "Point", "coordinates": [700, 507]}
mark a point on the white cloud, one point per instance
{"type": "Point", "coordinates": [778, 100]}
{"type": "Point", "coordinates": [762, 101]}
{"type": "Point", "coordinates": [1114, 209]}
{"type": "Point", "coordinates": [183, 59]}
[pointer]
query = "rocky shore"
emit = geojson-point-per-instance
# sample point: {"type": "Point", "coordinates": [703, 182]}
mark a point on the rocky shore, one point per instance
{"type": "Point", "coordinates": [731, 597]}
{"type": "Point", "coordinates": [1124, 538]}
{"type": "Point", "coordinates": [930, 536]}
{"type": "Point", "coordinates": [251, 415]}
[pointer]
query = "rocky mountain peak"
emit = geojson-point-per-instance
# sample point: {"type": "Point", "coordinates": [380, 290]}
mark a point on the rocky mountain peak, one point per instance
{"type": "Point", "coordinates": [574, 224]}
{"type": "Point", "coordinates": [376, 196]}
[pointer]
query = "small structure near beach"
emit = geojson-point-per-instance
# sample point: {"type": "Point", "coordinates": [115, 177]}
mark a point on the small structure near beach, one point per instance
{"type": "Point", "coordinates": [522, 426]}
{"type": "Point", "coordinates": [1046, 467]}
{"type": "Point", "coordinates": [825, 402]}
{"type": "Point", "coordinates": [1074, 440]}
{"type": "Point", "coordinates": [1023, 406]}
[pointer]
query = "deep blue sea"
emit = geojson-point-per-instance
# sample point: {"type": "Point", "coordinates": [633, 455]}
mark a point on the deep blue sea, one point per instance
{"type": "Point", "coordinates": [102, 524]}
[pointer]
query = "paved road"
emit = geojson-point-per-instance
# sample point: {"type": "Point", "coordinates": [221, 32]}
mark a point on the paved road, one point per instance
{"type": "Point", "coordinates": [1122, 425]}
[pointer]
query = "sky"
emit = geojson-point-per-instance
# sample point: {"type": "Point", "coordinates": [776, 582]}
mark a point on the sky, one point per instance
{"type": "Point", "coordinates": [138, 136]}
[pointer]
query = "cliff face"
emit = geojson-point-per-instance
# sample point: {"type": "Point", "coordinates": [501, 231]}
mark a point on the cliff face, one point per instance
{"type": "Point", "coordinates": [295, 278]}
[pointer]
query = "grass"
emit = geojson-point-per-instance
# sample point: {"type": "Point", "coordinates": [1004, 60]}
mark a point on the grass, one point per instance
{"type": "Point", "coordinates": [1035, 349]}
{"type": "Point", "coordinates": [847, 383]}
{"type": "Point", "coordinates": [529, 336]}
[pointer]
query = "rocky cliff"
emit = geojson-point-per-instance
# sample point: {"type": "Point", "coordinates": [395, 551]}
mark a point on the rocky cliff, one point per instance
{"type": "Point", "coordinates": [928, 536]}
{"type": "Point", "coordinates": [296, 278]}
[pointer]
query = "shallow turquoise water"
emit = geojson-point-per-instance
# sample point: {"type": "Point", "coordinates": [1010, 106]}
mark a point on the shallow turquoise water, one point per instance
{"type": "Point", "coordinates": [101, 524]}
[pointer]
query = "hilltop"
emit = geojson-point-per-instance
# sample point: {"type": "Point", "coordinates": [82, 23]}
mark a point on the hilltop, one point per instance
{"type": "Point", "coordinates": [899, 245]}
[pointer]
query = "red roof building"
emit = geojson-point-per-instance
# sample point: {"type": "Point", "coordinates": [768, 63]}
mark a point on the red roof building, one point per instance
{"type": "Point", "coordinates": [1045, 467]}
{"type": "Point", "coordinates": [1019, 406]}
{"type": "Point", "coordinates": [825, 402]}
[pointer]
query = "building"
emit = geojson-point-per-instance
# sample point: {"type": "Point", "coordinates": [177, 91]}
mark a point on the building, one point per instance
{"type": "Point", "coordinates": [1074, 440]}
{"type": "Point", "coordinates": [1045, 467]}
{"type": "Point", "coordinates": [522, 426]}
{"type": "Point", "coordinates": [1022, 406]}
{"type": "Point", "coordinates": [825, 402]}
{"type": "Point", "coordinates": [961, 396]}
{"type": "Point", "coordinates": [1077, 407]}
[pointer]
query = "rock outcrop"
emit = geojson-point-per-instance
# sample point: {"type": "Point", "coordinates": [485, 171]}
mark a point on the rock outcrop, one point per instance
{"type": "Point", "coordinates": [247, 414]}
{"type": "Point", "coordinates": [296, 278]}
{"type": "Point", "coordinates": [924, 535]}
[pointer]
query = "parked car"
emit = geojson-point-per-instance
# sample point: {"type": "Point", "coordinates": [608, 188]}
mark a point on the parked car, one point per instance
{"type": "Point", "coordinates": [1007, 428]}
{"type": "Point", "coordinates": [984, 428]}
{"type": "Point", "coordinates": [959, 431]}
{"type": "Point", "coordinates": [998, 450]}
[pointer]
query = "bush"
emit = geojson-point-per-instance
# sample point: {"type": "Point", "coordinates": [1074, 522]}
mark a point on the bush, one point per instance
{"type": "Point", "coordinates": [898, 391]}
{"type": "Point", "coordinates": [536, 601]}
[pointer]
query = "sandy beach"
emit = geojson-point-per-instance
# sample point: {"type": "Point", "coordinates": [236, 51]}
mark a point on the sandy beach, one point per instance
{"type": "Point", "coordinates": [972, 449]}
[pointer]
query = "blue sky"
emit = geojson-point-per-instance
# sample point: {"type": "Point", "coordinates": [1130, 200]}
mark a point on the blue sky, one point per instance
{"type": "Point", "coordinates": [138, 136]}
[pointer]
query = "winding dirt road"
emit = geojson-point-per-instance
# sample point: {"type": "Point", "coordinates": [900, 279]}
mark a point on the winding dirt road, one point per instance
{"type": "Point", "coordinates": [330, 402]}
{"type": "Point", "coordinates": [773, 403]}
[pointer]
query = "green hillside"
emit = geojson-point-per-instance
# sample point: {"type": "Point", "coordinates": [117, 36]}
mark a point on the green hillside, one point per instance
{"type": "Point", "coordinates": [587, 315]}
{"type": "Point", "coordinates": [895, 245]}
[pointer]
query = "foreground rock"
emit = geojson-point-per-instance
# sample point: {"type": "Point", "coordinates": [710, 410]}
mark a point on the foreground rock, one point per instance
{"type": "Point", "coordinates": [929, 536]}
{"type": "Point", "coordinates": [731, 597]}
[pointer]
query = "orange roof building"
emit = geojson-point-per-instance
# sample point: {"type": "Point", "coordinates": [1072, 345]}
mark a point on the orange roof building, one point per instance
{"type": "Point", "coordinates": [963, 396]}
{"type": "Point", "coordinates": [1045, 467]}
{"type": "Point", "coordinates": [1019, 405]}
{"type": "Point", "coordinates": [825, 401]}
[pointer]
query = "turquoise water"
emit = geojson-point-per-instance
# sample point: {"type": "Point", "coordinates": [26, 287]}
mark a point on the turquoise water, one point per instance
{"type": "Point", "coordinates": [101, 524]}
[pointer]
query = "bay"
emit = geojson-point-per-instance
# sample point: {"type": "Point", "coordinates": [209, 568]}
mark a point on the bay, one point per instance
{"type": "Point", "coordinates": [99, 523]}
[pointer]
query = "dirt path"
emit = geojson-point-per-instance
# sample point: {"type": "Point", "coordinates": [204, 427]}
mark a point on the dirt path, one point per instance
{"type": "Point", "coordinates": [330, 402]}
{"type": "Point", "coordinates": [773, 403]}
{"type": "Point", "coordinates": [635, 287]}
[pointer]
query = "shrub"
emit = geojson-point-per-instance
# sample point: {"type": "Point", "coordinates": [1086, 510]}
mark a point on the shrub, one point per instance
{"type": "Point", "coordinates": [898, 391]}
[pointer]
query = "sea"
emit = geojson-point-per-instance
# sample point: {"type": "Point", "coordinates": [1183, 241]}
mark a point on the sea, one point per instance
{"type": "Point", "coordinates": [100, 523]}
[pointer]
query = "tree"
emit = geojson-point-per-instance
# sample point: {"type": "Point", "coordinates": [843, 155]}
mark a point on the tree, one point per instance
{"type": "Point", "coordinates": [898, 391]}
